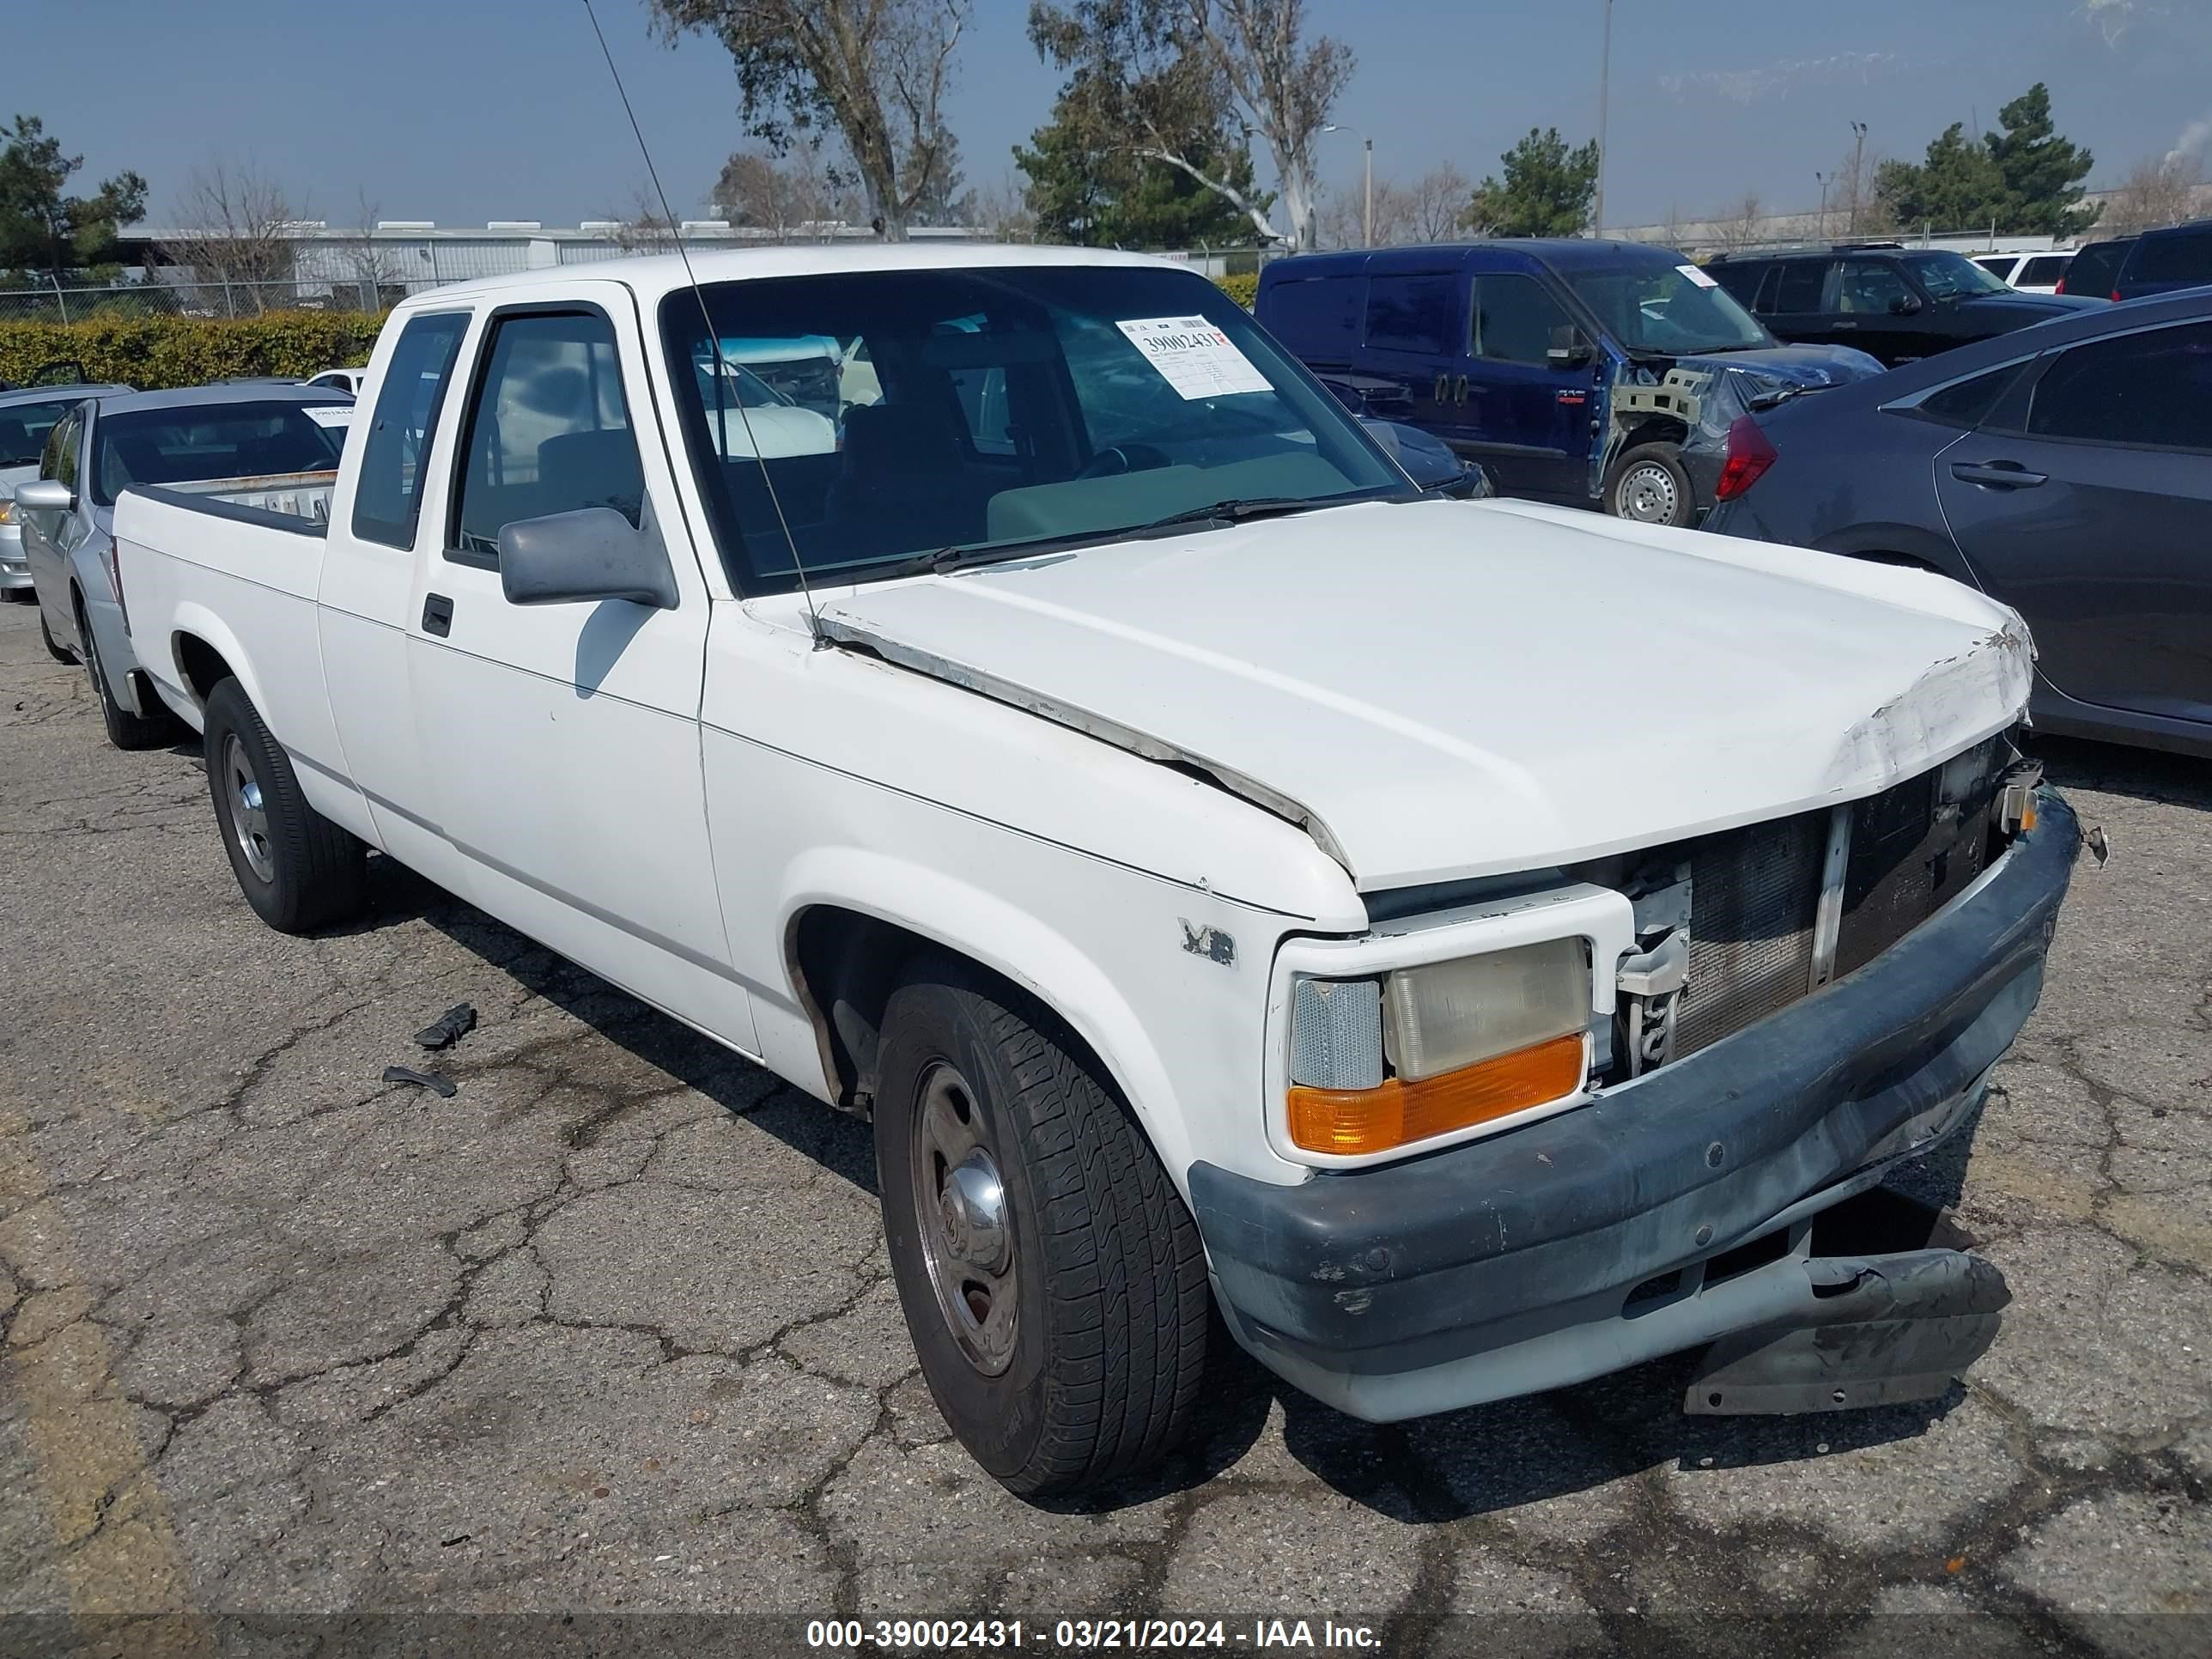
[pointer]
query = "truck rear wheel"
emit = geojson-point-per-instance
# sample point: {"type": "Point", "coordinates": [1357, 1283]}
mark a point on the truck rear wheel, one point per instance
{"type": "Point", "coordinates": [297, 869]}
{"type": "Point", "coordinates": [1053, 1279]}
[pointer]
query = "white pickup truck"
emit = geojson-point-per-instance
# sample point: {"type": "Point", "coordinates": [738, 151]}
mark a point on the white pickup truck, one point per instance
{"type": "Point", "coordinates": [1472, 944]}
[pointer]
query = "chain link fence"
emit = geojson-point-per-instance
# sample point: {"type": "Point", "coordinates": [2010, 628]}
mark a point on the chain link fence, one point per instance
{"type": "Point", "coordinates": [55, 304]}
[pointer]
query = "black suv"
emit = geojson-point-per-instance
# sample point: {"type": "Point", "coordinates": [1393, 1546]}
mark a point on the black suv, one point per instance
{"type": "Point", "coordinates": [1898, 303]}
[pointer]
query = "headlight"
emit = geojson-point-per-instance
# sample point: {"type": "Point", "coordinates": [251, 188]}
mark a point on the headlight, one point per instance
{"type": "Point", "coordinates": [1427, 1051]}
{"type": "Point", "coordinates": [7, 509]}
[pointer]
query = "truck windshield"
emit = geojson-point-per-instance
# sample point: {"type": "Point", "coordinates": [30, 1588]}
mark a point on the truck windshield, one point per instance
{"type": "Point", "coordinates": [188, 444]}
{"type": "Point", "coordinates": [1674, 310]}
{"type": "Point", "coordinates": [1000, 408]}
{"type": "Point", "coordinates": [1948, 275]}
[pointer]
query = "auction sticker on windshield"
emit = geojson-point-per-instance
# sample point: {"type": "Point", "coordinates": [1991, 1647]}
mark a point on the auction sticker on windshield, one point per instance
{"type": "Point", "coordinates": [1697, 276]}
{"type": "Point", "coordinates": [329, 414]}
{"type": "Point", "coordinates": [1195, 357]}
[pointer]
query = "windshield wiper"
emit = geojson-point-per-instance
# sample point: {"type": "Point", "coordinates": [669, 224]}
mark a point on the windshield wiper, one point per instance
{"type": "Point", "coordinates": [1239, 511]}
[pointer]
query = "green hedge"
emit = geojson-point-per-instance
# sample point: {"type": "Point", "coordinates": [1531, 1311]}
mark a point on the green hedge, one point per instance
{"type": "Point", "coordinates": [1245, 288]}
{"type": "Point", "coordinates": [154, 353]}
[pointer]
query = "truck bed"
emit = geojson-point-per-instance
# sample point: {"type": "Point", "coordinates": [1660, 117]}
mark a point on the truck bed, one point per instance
{"type": "Point", "coordinates": [303, 495]}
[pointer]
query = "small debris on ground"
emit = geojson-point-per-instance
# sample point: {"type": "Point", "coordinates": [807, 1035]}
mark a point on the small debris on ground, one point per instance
{"type": "Point", "coordinates": [440, 1085]}
{"type": "Point", "coordinates": [456, 1022]}
{"type": "Point", "coordinates": [458, 1538]}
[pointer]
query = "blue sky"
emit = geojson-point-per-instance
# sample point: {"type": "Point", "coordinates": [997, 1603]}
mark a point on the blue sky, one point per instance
{"type": "Point", "coordinates": [461, 110]}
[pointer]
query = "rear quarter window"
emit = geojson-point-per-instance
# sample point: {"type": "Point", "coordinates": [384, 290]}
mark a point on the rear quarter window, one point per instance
{"type": "Point", "coordinates": [1739, 280]}
{"type": "Point", "coordinates": [1318, 316]}
{"type": "Point", "coordinates": [2176, 257]}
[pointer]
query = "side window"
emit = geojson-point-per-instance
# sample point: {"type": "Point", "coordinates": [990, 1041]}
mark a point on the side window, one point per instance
{"type": "Point", "coordinates": [1969, 403]}
{"type": "Point", "coordinates": [2173, 255]}
{"type": "Point", "coordinates": [1317, 316]}
{"type": "Point", "coordinates": [1999, 267]}
{"type": "Point", "coordinates": [1514, 317]}
{"type": "Point", "coordinates": [1740, 277]}
{"type": "Point", "coordinates": [387, 498]}
{"type": "Point", "coordinates": [548, 431]}
{"type": "Point", "coordinates": [1797, 293]}
{"type": "Point", "coordinates": [1869, 287]}
{"type": "Point", "coordinates": [2042, 271]}
{"type": "Point", "coordinates": [1413, 313]}
{"type": "Point", "coordinates": [2153, 390]}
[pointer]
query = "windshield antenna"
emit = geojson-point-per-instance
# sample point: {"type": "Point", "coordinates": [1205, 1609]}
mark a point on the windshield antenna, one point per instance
{"type": "Point", "coordinates": [715, 344]}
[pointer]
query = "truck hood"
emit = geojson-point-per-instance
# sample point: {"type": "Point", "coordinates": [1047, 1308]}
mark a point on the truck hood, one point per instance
{"type": "Point", "coordinates": [1443, 690]}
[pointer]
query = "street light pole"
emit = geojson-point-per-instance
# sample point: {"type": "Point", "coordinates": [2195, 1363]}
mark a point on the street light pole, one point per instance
{"type": "Point", "coordinates": [1604, 100]}
{"type": "Point", "coordinates": [1858, 172]}
{"type": "Point", "coordinates": [1367, 207]}
{"type": "Point", "coordinates": [1821, 179]}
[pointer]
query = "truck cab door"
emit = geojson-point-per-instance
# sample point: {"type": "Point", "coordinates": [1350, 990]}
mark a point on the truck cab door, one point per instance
{"type": "Point", "coordinates": [1524, 418]}
{"type": "Point", "coordinates": [563, 738]}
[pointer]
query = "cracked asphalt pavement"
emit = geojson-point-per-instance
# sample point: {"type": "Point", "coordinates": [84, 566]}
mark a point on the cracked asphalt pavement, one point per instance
{"type": "Point", "coordinates": [610, 1330]}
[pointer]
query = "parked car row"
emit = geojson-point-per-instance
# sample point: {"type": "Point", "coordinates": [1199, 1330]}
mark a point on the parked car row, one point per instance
{"type": "Point", "coordinates": [2052, 451]}
{"type": "Point", "coordinates": [1473, 945]}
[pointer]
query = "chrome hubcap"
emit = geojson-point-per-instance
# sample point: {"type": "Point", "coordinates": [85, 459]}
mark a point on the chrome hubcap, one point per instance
{"type": "Point", "coordinates": [960, 1205]}
{"type": "Point", "coordinates": [249, 821]}
{"type": "Point", "coordinates": [1648, 495]}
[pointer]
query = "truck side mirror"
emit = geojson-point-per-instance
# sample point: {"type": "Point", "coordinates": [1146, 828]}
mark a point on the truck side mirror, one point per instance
{"type": "Point", "coordinates": [1569, 348]}
{"type": "Point", "coordinates": [45, 496]}
{"type": "Point", "coordinates": [593, 553]}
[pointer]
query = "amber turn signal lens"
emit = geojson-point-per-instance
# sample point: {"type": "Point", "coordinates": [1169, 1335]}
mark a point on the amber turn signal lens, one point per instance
{"type": "Point", "coordinates": [1347, 1122]}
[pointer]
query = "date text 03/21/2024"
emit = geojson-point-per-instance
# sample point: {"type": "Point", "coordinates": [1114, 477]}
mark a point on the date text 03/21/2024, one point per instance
{"type": "Point", "coordinates": [1087, 1634]}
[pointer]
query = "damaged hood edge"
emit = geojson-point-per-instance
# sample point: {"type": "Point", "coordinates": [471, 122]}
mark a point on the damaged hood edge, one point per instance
{"type": "Point", "coordinates": [845, 633]}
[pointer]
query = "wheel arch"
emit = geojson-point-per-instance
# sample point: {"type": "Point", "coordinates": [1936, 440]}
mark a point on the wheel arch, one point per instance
{"type": "Point", "coordinates": [205, 653]}
{"type": "Point", "coordinates": [854, 920]}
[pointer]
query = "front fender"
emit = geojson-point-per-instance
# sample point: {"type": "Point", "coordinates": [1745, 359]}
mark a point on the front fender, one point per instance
{"type": "Point", "coordinates": [979, 923]}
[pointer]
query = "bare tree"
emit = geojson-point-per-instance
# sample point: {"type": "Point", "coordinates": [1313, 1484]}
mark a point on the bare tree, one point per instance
{"type": "Point", "coordinates": [1002, 211]}
{"type": "Point", "coordinates": [375, 268]}
{"type": "Point", "coordinates": [1285, 88]}
{"type": "Point", "coordinates": [645, 226]}
{"type": "Point", "coordinates": [2156, 193]}
{"type": "Point", "coordinates": [874, 72]}
{"type": "Point", "coordinates": [1434, 204]}
{"type": "Point", "coordinates": [1740, 225]}
{"type": "Point", "coordinates": [236, 238]}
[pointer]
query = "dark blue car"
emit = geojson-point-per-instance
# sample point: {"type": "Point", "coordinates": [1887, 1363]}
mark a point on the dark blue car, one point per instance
{"type": "Point", "coordinates": [2065, 469]}
{"type": "Point", "coordinates": [1585, 372]}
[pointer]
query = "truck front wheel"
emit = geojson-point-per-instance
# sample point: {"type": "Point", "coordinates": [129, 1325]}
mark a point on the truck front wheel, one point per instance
{"type": "Point", "coordinates": [297, 869]}
{"type": "Point", "coordinates": [1052, 1278]}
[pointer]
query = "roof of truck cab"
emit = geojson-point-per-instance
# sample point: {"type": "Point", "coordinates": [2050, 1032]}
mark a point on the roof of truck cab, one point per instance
{"type": "Point", "coordinates": [651, 276]}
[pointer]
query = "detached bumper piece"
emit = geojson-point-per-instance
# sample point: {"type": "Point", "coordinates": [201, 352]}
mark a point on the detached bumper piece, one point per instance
{"type": "Point", "coordinates": [1876, 1331]}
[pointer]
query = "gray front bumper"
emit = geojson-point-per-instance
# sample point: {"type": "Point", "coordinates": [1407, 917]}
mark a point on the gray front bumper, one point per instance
{"type": "Point", "coordinates": [1529, 1260]}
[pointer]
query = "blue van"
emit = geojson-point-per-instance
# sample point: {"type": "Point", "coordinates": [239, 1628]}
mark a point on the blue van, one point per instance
{"type": "Point", "coordinates": [1584, 372]}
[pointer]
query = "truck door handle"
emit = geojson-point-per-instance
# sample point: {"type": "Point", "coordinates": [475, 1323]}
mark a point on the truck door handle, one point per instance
{"type": "Point", "coordinates": [1996, 475]}
{"type": "Point", "coordinates": [438, 615]}
{"type": "Point", "coordinates": [1846, 322]}
{"type": "Point", "coordinates": [1460, 393]}
{"type": "Point", "coordinates": [1439, 390]}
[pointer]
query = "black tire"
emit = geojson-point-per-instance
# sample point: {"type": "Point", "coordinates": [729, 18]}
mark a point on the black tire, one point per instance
{"type": "Point", "coordinates": [1107, 1296]}
{"type": "Point", "coordinates": [53, 646]}
{"type": "Point", "coordinates": [315, 873]}
{"type": "Point", "coordinates": [124, 729]}
{"type": "Point", "coordinates": [1647, 485]}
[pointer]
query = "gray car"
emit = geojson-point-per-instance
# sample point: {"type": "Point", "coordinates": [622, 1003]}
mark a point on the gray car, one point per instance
{"type": "Point", "coordinates": [106, 443]}
{"type": "Point", "coordinates": [28, 414]}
